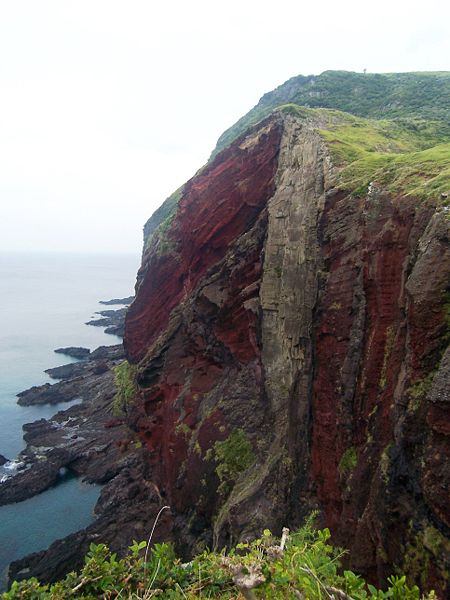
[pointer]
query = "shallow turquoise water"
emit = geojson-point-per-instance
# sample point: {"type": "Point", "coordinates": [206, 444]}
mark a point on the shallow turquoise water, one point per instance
{"type": "Point", "coordinates": [35, 523]}
{"type": "Point", "coordinates": [44, 302]}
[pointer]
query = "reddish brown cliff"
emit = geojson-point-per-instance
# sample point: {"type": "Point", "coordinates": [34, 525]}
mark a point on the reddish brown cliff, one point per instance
{"type": "Point", "coordinates": [306, 328]}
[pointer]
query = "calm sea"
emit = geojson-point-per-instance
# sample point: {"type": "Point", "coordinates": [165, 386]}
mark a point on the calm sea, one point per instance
{"type": "Point", "coordinates": [44, 302]}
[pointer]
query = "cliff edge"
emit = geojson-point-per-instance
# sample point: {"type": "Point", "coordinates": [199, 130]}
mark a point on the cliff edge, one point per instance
{"type": "Point", "coordinates": [290, 335]}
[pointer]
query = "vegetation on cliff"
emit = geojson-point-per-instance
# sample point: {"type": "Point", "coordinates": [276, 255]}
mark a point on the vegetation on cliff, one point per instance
{"type": "Point", "coordinates": [300, 565]}
{"type": "Point", "coordinates": [161, 215]}
{"type": "Point", "coordinates": [391, 128]}
{"type": "Point", "coordinates": [408, 155]}
{"type": "Point", "coordinates": [233, 456]}
{"type": "Point", "coordinates": [126, 388]}
{"type": "Point", "coordinates": [292, 295]}
{"type": "Point", "coordinates": [376, 96]}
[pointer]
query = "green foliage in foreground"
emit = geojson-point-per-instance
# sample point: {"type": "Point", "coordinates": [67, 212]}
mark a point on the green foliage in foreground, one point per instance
{"type": "Point", "coordinates": [303, 565]}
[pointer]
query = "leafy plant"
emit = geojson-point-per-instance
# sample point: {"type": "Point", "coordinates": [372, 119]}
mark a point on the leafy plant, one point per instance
{"type": "Point", "coordinates": [300, 565]}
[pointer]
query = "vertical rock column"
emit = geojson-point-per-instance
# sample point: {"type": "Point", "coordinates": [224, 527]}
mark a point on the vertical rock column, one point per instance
{"type": "Point", "coordinates": [291, 273]}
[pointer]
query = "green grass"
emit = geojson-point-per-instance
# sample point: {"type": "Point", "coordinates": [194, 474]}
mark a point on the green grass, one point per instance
{"type": "Point", "coordinates": [409, 156]}
{"type": "Point", "coordinates": [424, 174]}
{"type": "Point", "coordinates": [353, 137]}
{"type": "Point", "coordinates": [378, 95]}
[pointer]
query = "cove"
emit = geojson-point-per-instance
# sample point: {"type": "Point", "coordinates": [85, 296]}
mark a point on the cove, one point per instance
{"type": "Point", "coordinates": [33, 524]}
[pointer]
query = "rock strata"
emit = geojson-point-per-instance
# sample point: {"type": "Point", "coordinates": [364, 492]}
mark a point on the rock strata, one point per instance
{"type": "Point", "coordinates": [313, 320]}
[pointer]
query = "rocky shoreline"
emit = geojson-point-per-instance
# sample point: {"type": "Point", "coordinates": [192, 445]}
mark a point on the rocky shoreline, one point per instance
{"type": "Point", "coordinates": [88, 439]}
{"type": "Point", "coordinates": [112, 320]}
{"type": "Point", "coordinates": [128, 300]}
{"type": "Point", "coordinates": [79, 434]}
{"type": "Point", "coordinates": [76, 378]}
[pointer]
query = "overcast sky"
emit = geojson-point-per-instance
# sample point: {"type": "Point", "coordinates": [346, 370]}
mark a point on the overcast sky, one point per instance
{"type": "Point", "coordinates": [106, 107]}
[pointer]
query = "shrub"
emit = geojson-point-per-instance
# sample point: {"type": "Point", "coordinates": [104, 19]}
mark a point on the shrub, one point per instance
{"type": "Point", "coordinates": [348, 461]}
{"type": "Point", "coordinates": [126, 388]}
{"type": "Point", "coordinates": [233, 456]}
{"type": "Point", "coordinates": [303, 565]}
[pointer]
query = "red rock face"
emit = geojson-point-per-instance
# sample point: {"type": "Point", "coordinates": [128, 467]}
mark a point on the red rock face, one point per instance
{"type": "Point", "coordinates": [217, 206]}
{"type": "Point", "coordinates": [360, 334]}
{"type": "Point", "coordinates": [364, 436]}
{"type": "Point", "coordinates": [211, 277]}
{"type": "Point", "coordinates": [378, 333]}
{"type": "Point", "coordinates": [181, 414]}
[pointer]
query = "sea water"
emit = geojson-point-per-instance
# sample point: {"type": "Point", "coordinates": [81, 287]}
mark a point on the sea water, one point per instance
{"type": "Point", "coordinates": [45, 301]}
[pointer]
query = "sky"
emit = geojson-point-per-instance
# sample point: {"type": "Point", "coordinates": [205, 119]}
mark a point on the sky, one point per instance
{"type": "Point", "coordinates": [106, 107]}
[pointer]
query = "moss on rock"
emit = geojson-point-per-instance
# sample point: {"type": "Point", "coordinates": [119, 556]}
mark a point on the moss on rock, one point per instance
{"type": "Point", "coordinates": [126, 387]}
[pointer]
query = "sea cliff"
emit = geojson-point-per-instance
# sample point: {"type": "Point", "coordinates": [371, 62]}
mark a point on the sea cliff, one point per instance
{"type": "Point", "coordinates": [287, 348]}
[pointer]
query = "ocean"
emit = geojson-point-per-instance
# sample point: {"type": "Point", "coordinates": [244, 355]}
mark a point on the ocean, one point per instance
{"type": "Point", "coordinates": [45, 300]}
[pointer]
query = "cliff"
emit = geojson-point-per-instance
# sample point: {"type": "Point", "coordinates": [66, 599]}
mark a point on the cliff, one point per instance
{"type": "Point", "coordinates": [290, 330]}
{"type": "Point", "coordinates": [288, 345]}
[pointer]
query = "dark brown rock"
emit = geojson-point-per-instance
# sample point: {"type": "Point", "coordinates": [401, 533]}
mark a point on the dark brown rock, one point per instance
{"type": "Point", "coordinates": [127, 300]}
{"type": "Point", "coordinates": [74, 351]}
{"type": "Point", "coordinates": [113, 320]}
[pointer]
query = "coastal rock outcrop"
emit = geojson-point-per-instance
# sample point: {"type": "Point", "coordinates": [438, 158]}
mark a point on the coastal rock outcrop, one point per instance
{"type": "Point", "coordinates": [128, 300]}
{"type": "Point", "coordinates": [92, 440]}
{"type": "Point", "coordinates": [112, 320]}
{"type": "Point", "coordinates": [87, 438]}
{"type": "Point", "coordinates": [74, 351]}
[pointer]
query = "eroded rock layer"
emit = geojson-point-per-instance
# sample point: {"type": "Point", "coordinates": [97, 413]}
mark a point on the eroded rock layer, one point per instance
{"type": "Point", "coordinates": [289, 339]}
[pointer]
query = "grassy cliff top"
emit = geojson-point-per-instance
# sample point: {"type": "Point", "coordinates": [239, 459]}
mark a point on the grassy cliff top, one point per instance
{"type": "Point", "coordinates": [392, 129]}
{"type": "Point", "coordinates": [377, 96]}
{"type": "Point", "coordinates": [408, 156]}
